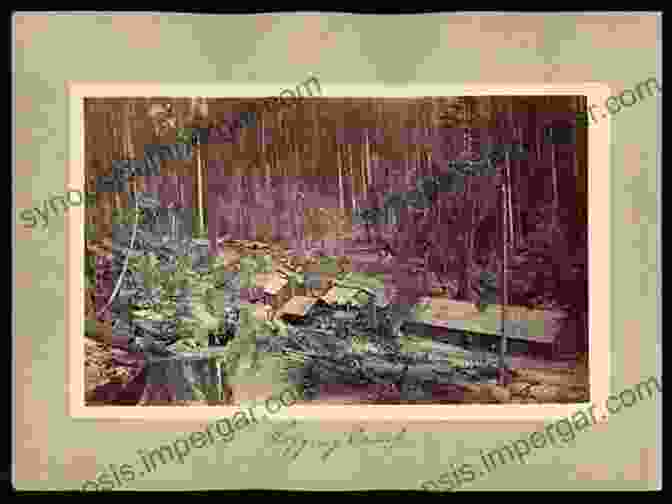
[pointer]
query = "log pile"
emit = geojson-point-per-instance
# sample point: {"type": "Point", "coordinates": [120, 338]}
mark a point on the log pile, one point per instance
{"type": "Point", "coordinates": [325, 357]}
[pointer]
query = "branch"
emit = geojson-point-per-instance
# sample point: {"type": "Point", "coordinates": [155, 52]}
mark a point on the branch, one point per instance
{"type": "Point", "coordinates": [128, 255]}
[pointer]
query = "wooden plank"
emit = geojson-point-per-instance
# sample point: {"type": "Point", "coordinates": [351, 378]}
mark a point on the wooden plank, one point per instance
{"type": "Point", "coordinates": [525, 324]}
{"type": "Point", "coordinates": [272, 283]}
{"type": "Point", "coordinates": [297, 306]}
{"type": "Point", "coordinates": [351, 288]}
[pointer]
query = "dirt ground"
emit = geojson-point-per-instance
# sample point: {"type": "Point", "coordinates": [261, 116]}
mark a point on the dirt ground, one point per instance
{"type": "Point", "coordinates": [108, 373]}
{"type": "Point", "coordinates": [536, 386]}
{"type": "Point", "coordinates": [100, 370]}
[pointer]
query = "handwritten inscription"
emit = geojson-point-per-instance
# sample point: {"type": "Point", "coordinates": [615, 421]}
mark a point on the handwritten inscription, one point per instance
{"type": "Point", "coordinates": [294, 443]}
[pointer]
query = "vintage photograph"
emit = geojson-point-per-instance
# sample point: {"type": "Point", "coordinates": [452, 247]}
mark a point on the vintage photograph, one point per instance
{"type": "Point", "coordinates": [425, 250]}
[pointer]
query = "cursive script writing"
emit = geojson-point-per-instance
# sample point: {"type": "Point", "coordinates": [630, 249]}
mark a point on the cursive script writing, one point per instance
{"type": "Point", "coordinates": [294, 443]}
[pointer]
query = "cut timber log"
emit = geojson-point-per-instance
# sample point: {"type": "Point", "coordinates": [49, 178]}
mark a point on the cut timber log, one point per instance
{"type": "Point", "coordinates": [297, 307]}
{"type": "Point", "coordinates": [362, 369]}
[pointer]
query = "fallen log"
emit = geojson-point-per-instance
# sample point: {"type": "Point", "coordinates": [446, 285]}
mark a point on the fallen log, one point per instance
{"type": "Point", "coordinates": [383, 368]}
{"type": "Point", "coordinates": [354, 368]}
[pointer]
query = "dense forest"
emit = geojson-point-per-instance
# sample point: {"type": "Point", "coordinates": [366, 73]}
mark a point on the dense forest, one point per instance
{"type": "Point", "coordinates": [317, 176]}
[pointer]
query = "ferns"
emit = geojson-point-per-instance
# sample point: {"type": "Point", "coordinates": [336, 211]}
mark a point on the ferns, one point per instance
{"type": "Point", "coordinates": [242, 348]}
{"type": "Point", "coordinates": [277, 327]}
{"type": "Point", "coordinates": [360, 343]}
{"type": "Point", "coordinates": [295, 280]}
{"type": "Point", "coordinates": [126, 216]}
{"type": "Point", "coordinates": [194, 330]}
{"type": "Point", "coordinates": [422, 310]}
{"type": "Point", "coordinates": [211, 308]}
{"type": "Point", "coordinates": [265, 263]}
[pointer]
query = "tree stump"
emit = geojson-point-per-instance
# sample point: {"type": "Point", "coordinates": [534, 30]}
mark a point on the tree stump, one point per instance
{"type": "Point", "coordinates": [179, 378]}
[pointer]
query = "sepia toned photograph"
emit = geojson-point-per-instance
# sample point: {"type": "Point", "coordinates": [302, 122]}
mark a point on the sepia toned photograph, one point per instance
{"type": "Point", "coordinates": [425, 250]}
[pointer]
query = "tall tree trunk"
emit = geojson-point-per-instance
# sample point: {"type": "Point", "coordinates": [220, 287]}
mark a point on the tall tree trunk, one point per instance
{"type": "Point", "coordinates": [341, 195]}
{"type": "Point", "coordinates": [509, 175]}
{"type": "Point", "coordinates": [199, 189]}
{"type": "Point", "coordinates": [539, 135]}
{"type": "Point", "coordinates": [127, 114]}
{"type": "Point", "coordinates": [505, 262]}
{"type": "Point", "coordinates": [509, 200]}
{"type": "Point", "coordinates": [463, 288]}
{"type": "Point", "coordinates": [554, 171]}
{"type": "Point", "coordinates": [118, 147]}
{"type": "Point", "coordinates": [352, 178]}
{"type": "Point", "coordinates": [367, 161]}
{"type": "Point", "coordinates": [265, 167]}
{"type": "Point", "coordinates": [199, 111]}
{"type": "Point", "coordinates": [106, 201]}
{"type": "Point", "coordinates": [520, 186]}
{"type": "Point", "coordinates": [475, 217]}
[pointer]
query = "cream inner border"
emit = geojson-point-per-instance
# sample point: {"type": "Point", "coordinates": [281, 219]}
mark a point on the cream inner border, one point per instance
{"type": "Point", "coordinates": [599, 258]}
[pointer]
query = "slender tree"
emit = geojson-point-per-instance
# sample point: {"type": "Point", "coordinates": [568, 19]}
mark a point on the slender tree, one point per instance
{"type": "Point", "coordinates": [506, 215]}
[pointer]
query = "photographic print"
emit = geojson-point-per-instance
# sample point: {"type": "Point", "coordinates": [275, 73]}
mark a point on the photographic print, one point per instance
{"type": "Point", "coordinates": [345, 252]}
{"type": "Point", "coordinates": [401, 251]}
